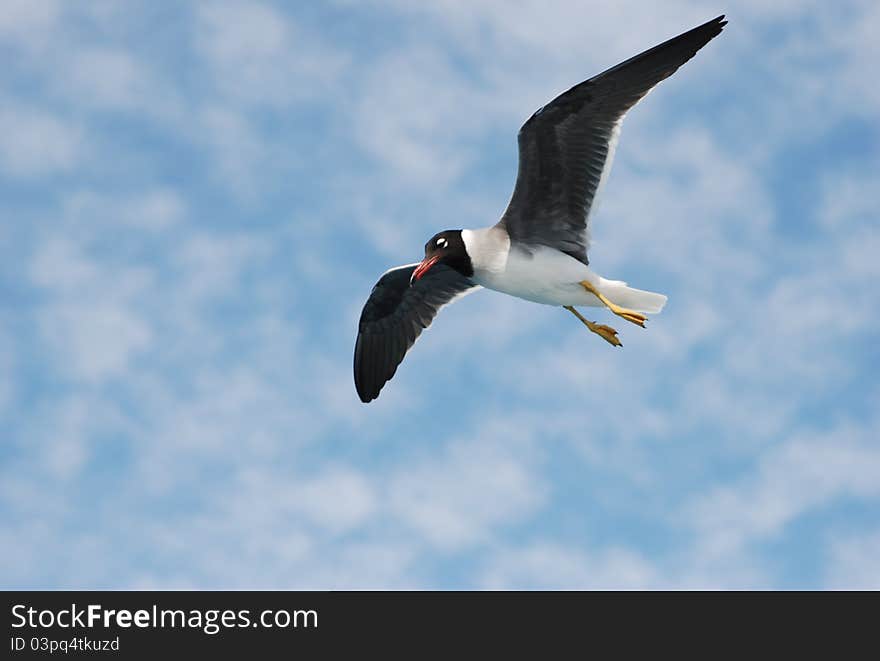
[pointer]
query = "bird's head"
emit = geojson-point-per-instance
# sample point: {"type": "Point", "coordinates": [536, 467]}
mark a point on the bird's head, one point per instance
{"type": "Point", "coordinates": [447, 248]}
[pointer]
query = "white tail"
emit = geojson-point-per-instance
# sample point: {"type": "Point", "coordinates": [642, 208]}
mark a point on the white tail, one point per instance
{"type": "Point", "coordinates": [647, 302]}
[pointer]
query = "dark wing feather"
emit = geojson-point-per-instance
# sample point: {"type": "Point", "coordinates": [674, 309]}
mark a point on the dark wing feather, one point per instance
{"type": "Point", "coordinates": [394, 316]}
{"type": "Point", "coordinates": [564, 146]}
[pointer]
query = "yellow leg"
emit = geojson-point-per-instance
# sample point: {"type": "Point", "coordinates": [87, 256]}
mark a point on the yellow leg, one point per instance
{"type": "Point", "coordinates": [605, 332]}
{"type": "Point", "coordinates": [630, 315]}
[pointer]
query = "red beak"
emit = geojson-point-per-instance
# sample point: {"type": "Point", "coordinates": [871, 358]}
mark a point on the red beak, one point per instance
{"type": "Point", "coordinates": [424, 267]}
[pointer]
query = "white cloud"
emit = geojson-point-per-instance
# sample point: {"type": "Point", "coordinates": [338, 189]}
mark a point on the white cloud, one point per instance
{"type": "Point", "coordinates": [240, 153]}
{"type": "Point", "coordinates": [257, 55]}
{"type": "Point", "coordinates": [415, 114]}
{"type": "Point", "coordinates": [105, 77]}
{"type": "Point", "coordinates": [802, 474]}
{"type": "Point", "coordinates": [62, 263]}
{"type": "Point", "coordinates": [213, 263]}
{"type": "Point", "coordinates": [26, 19]}
{"type": "Point", "coordinates": [153, 209]}
{"type": "Point", "coordinates": [95, 341]}
{"type": "Point", "coordinates": [854, 562]}
{"type": "Point", "coordinates": [338, 499]}
{"type": "Point", "coordinates": [90, 319]}
{"type": "Point", "coordinates": [7, 370]}
{"type": "Point", "coordinates": [281, 530]}
{"type": "Point", "coordinates": [550, 566]}
{"type": "Point", "coordinates": [34, 142]}
{"type": "Point", "coordinates": [558, 30]}
{"type": "Point", "coordinates": [679, 202]}
{"type": "Point", "coordinates": [64, 436]}
{"type": "Point", "coordinates": [377, 564]}
{"type": "Point", "coordinates": [848, 201]}
{"type": "Point", "coordinates": [473, 487]}
{"type": "Point", "coordinates": [116, 78]}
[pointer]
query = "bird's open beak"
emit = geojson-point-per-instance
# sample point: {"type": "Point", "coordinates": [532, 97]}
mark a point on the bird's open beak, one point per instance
{"type": "Point", "coordinates": [424, 267]}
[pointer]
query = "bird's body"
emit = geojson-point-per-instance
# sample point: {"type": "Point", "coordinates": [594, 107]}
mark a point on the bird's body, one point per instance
{"type": "Point", "coordinates": [538, 250]}
{"type": "Point", "coordinates": [545, 275]}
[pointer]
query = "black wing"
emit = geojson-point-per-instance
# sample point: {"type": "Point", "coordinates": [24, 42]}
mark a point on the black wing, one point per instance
{"type": "Point", "coordinates": [565, 148]}
{"type": "Point", "coordinates": [394, 316]}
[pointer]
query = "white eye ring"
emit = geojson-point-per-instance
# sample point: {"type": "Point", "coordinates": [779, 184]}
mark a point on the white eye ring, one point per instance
{"type": "Point", "coordinates": [441, 242]}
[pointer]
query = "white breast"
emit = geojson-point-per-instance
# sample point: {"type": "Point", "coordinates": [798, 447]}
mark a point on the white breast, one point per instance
{"type": "Point", "coordinates": [541, 274]}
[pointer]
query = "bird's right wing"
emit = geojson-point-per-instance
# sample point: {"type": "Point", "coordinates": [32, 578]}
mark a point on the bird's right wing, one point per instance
{"type": "Point", "coordinates": [395, 315]}
{"type": "Point", "coordinates": [566, 147]}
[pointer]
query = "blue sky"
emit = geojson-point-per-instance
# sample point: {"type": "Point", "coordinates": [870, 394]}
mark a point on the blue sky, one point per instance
{"type": "Point", "coordinates": [197, 199]}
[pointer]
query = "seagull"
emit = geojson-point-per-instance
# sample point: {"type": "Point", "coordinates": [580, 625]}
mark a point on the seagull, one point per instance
{"type": "Point", "coordinates": [538, 250]}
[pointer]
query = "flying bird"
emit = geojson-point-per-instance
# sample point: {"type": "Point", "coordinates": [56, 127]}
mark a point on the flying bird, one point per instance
{"type": "Point", "coordinates": [538, 250]}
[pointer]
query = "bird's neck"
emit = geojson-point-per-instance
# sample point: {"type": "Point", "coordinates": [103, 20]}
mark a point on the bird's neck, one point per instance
{"type": "Point", "coordinates": [488, 248]}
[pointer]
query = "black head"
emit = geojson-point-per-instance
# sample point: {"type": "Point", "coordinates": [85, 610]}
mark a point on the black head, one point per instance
{"type": "Point", "coordinates": [445, 248]}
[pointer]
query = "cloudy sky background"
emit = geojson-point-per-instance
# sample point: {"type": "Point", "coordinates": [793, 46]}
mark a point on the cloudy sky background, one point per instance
{"type": "Point", "coordinates": [197, 199]}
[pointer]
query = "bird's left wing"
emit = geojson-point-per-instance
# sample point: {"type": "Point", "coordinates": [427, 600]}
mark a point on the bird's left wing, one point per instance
{"type": "Point", "coordinates": [566, 147]}
{"type": "Point", "coordinates": [395, 315]}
